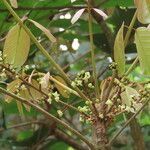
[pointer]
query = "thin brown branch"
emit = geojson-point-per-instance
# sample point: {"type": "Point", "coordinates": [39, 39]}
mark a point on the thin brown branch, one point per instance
{"type": "Point", "coordinates": [67, 139]}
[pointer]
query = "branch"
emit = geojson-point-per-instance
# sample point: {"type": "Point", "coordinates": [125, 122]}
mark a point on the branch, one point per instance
{"type": "Point", "coordinates": [21, 125]}
{"type": "Point", "coordinates": [67, 139]}
{"type": "Point", "coordinates": [49, 116]}
{"type": "Point", "coordinates": [44, 8]}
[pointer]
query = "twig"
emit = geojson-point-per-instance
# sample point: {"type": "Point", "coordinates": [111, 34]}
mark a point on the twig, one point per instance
{"type": "Point", "coordinates": [21, 125]}
{"type": "Point", "coordinates": [67, 139]}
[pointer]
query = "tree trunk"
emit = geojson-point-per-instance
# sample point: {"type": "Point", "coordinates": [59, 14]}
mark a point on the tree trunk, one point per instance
{"type": "Point", "coordinates": [100, 136]}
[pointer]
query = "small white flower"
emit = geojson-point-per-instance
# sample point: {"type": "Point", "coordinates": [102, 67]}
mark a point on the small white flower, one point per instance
{"type": "Point", "coordinates": [97, 100]}
{"type": "Point", "coordinates": [128, 109]}
{"type": "Point", "coordinates": [56, 99]}
{"type": "Point", "coordinates": [84, 109]}
{"type": "Point", "coordinates": [23, 87]}
{"type": "Point", "coordinates": [73, 84]}
{"type": "Point", "coordinates": [90, 85]}
{"type": "Point", "coordinates": [101, 115]}
{"type": "Point", "coordinates": [3, 75]}
{"type": "Point", "coordinates": [27, 67]}
{"type": "Point", "coordinates": [60, 113]}
{"type": "Point", "coordinates": [79, 82]}
{"type": "Point", "coordinates": [122, 107]}
{"type": "Point", "coordinates": [81, 119]}
{"type": "Point", "coordinates": [56, 94]}
{"type": "Point", "coordinates": [49, 100]}
{"type": "Point", "coordinates": [109, 102]}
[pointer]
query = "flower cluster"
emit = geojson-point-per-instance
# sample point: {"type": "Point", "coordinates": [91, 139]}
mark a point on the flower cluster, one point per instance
{"type": "Point", "coordinates": [3, 74]}
{"type": "Point", "coordinates": [53, 95]}
{"type": "Point", "coordinates": [82, 78]}
{"type": "Point", "coordinates": [60, 113]}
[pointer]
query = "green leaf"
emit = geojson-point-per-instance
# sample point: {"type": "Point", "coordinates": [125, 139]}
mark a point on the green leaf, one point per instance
{"type": "Point", "coordinates": [16, 47]}
{"type": "Point", "coordinates": [143, 10]}
{"type": "Point", "coordinates": [142, 41]}
{"type": "Point", "coordinates": [119, 53]}
{"type": "Point", "coordinates": [46, 31]}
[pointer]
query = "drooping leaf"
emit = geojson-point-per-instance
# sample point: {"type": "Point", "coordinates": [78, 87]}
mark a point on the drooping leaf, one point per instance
{"type": "Point", "coordinates": [77, 15]}
{"type": "Point", "coordinates": [142, 41]}
{"type": "Point", "coordinates": [29, 93]}
{"type": "Point", "coordinates": [20, 108]}
{"type": "Point", "coordinates": [143, 10]}
{"type": "Point", "coordinates": [101, 13]}
{"type": "Point", "coordinates": [12, 87]}
{"type": "Point", "coordinates": [14, 3]}
{"type": "Point", "coordinates": [119, 53]}
{"type": "Point", "coordinates": [16, 47]}
{"type": "Point", "coordinates": [26, 95]}
{"type": "Point", "coordinates": [35, 95]}
{"type": "Point", "coordinates": [61, 90]}
{"type": "Point", "coordinates": [46, 31]}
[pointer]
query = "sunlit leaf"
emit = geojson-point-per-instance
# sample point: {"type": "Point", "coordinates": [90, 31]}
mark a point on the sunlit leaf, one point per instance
{"type": "Point", "coordinates": [142, 40]}
{"type": "Point", "coordinates": [61, 90]}
{"type": "Point", "coordinates": [77, 15]}
{"type": "Point", "coordinates": [14, 3]}
{"type": "Point", "coordinates": [46, 31]}
{"type": "Point", "coordinates": [101, 13]}
{"type": "Point", "coordinates": [143, 10]}
{"type": "Point", "coordinates": [119, 53]}
{"type": "Point", "coordinates": [16, 47]}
